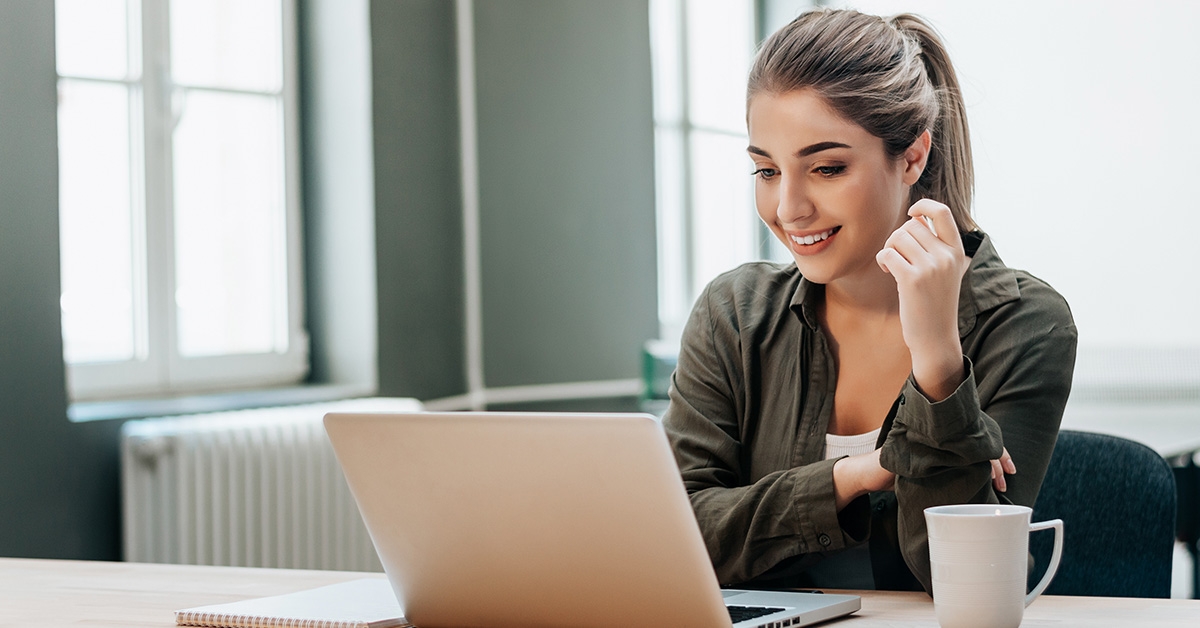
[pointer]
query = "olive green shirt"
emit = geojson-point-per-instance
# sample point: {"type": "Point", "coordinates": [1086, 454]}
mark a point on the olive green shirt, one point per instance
{"type": "Point", "coordinates": [753, 392]}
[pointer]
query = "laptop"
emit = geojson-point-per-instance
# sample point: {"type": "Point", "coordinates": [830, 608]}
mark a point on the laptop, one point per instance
{"type": "Point", "coordinates": [529, 519]}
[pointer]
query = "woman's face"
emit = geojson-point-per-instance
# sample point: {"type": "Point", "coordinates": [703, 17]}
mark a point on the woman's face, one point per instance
{"type": "Point", "coordinates": [824, 185]}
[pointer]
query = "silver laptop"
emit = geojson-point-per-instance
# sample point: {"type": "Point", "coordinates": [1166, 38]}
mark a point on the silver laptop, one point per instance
{"type": "Point", "coordinates": [504, 519]}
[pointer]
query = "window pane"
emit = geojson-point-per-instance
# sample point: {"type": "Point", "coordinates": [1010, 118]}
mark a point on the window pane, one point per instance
{"type": "Point", "coordinates": [674, 302]}
{"type": "Point", "coordinates": [229, 225]}
{"type": "Point", "coordinates": [96, 222]}
{"type": "Point", "coordinates": [724, 225]}
{"type": "Point", "coordinates": [227, 43]}
{"type": "Point", "coordinates": [666, 25]}
{"type": "Point", "coordinates": [720, 48]}
{"type": "Point", "coordinates": [92, 38]}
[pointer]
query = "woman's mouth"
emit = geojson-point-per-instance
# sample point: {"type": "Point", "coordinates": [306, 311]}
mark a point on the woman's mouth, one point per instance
{"type": "Point", "coordinates": [814, 238]}
{"type": "Point", "coordinates": [813, 243]}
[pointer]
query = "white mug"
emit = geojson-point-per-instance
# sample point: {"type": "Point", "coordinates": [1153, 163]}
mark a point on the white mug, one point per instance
{"type": "Point", "coordinates": [978, 557]}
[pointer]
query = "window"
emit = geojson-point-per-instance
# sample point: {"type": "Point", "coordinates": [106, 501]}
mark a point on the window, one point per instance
{"type": "Point", "coordinates": [707, 223]}
{"type": "Point", "coordinates": [698, 143]}
{"type": "Point", "coordinates": [1083, 157]}
{"type": "Point", "coordinates": [179, 201]}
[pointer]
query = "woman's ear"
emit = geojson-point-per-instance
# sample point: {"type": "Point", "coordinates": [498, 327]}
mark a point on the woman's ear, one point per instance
{"type": "Point", "coordinates": [916, 156]}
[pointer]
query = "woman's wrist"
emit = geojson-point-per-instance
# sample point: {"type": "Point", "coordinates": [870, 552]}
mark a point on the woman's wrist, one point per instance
{"type": "Point", "coordinates": [939, 374]}
{"type": "Point", "coordinates": [855, 476]}
{"type": "Point", "coordinates": [846, 487]}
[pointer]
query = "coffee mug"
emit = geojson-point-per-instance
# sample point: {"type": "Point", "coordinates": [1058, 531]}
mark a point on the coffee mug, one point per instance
{"type": "Point", "coordinates": [978, 556]}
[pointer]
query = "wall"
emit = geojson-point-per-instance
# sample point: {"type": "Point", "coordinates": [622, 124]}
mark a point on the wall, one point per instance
{"type": "Point", "coordinates": [566, 188]}
{"type": "Point", "coordinates": [58, 480]}
{"type": "Point", "coordinates": [338, 190]}
{"type": "Point", "coordinates": [566, 168]}
{"type": "Point", "coordinates": [418, 209]}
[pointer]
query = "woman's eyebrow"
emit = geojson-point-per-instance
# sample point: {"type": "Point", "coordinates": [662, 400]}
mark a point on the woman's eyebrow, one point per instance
{"type": "Point", "coordinates": [818, 147]}
{"type": "Point", "coordinates": [803, 152]}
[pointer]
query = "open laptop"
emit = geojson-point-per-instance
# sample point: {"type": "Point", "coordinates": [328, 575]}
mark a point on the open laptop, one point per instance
{"type": "Point", "coordinates": [506, 519]}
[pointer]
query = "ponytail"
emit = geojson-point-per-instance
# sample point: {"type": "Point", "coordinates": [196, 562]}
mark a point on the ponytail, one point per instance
{"type": "Point", "coordinates": [949, 175]}
{"type": "Point", "coordinates": [892, 77]}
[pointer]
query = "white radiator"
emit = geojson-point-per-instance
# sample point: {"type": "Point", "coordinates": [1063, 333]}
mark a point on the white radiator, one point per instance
{"type": "Point", "coordinates": [255, 488]}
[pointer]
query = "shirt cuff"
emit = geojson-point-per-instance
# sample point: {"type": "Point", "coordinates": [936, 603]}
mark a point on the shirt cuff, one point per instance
{"type": "Point", "coordinates": [815, 506]}
{"type": "Point", "coordinates": [927, 435]}
{"type": "Point", "coordinates": [938, 421]}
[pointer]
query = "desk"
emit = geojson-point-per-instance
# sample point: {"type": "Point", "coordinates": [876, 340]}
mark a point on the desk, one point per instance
{"type": "Point", "coordinates": [129, 595]}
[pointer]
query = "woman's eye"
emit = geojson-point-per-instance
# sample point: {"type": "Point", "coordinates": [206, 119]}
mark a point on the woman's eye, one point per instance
{"type": "Point", "coordinates": [765, 173]}
{"type": "Point", "coordinates": [829, 171]}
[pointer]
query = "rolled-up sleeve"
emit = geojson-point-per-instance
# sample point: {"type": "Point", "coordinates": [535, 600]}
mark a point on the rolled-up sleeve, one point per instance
{"type": "Point", "coordinates": [1018, 376]}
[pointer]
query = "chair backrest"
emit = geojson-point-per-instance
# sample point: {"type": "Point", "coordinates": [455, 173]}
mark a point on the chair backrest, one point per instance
{"type": "Point", "coordinates": [1116, 498]}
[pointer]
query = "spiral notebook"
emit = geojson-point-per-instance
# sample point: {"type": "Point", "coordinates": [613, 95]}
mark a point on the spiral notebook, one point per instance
{"type": "Point", "coordinates": [365, 603]}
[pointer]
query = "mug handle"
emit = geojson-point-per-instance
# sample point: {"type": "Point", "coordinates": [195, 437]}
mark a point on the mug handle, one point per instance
{"type": "Point", "coordinates": [1057, 524]}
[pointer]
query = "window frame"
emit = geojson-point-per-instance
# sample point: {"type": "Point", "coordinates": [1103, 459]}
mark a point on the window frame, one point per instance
{"type": "Point", "coordinates": [158, 369]}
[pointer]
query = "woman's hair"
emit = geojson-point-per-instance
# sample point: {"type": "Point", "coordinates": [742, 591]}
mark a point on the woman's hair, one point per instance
{"type": "Point", "coordinates": [891, 76]}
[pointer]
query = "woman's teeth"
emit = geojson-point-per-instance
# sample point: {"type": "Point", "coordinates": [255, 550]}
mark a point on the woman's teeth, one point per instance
{"type": "Point", "coordinates": [812, 239]}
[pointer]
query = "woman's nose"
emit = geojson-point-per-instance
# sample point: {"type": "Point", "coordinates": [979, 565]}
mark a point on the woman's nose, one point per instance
{"type": "Point", "coordinates": [794, 203]}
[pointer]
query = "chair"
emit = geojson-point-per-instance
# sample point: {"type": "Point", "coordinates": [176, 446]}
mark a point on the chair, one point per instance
{"type": "Point", "coordinates": [1116, 498]}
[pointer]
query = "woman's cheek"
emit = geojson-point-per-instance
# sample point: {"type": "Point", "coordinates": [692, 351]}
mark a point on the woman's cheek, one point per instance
{"type": "Point", "coordinates": [766, 203]}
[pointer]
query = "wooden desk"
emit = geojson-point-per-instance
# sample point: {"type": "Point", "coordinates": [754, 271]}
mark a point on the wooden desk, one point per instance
{"type": "Point", "coordinates": [104, 595]}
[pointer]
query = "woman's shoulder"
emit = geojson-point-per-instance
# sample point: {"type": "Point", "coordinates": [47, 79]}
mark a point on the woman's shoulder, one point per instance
{"type": "Point", "coordinates": [754, 282]}
{"type": "Point", "coordinates": [1041, 313]}
{"type": "Point", "coordinates": [1006, 292]}
{"type": "Point", "coordinates": [748, 297]}
{"type": "Point", "coordinates": [1040, 294]}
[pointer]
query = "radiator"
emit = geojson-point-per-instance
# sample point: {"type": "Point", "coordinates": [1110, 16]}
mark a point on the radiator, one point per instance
{"type": "Point", "coordinates": [254, 488]}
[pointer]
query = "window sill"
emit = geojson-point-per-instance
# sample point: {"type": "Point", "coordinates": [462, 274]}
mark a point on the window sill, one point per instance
{"type": "Point", "coordinates": [82, 411]}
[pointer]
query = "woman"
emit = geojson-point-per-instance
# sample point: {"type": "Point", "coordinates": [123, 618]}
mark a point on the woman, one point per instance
{"type": "Point", "coordinates": [819, 408]}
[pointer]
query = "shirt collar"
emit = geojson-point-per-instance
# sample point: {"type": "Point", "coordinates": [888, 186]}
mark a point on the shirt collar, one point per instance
{"type": "Point", "coordinates": [987, 284]}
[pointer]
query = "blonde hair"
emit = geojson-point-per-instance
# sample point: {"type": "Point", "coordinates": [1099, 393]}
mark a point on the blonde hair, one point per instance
{"type": "Point", "coordinates": [892, 77]}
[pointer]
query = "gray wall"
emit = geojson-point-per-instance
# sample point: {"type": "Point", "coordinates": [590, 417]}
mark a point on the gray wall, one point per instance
{"type": "Point", "coordinates": [566, 167]}
{"type": "Point", "coordinates": [566, 163]}
{"type": "Point", "coordinates": [339, 190]}
{"type": "Point", "coordinates": [58, 480]}
{"type": "Point", "coordinates": [418, 218]}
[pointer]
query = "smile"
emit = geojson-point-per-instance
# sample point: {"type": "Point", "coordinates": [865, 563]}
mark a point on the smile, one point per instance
{"type": "Point", "coordinates": [809, 240]}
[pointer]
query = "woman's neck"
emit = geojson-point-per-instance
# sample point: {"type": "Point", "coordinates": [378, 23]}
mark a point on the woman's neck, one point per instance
{"type": "Point", "coordinates": [870, 294]}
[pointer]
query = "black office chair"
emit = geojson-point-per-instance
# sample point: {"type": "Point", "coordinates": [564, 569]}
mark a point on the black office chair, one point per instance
{"type": "Point", "coordinates": [1116, 498]}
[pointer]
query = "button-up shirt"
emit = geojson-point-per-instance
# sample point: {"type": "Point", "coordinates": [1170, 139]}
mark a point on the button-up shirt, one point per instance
{"type": "Point", "coordinates": [752, 396]}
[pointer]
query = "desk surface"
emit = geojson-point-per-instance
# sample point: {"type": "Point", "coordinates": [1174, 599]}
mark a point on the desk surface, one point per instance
{"type": "Point", "coordinates": [105, 594]}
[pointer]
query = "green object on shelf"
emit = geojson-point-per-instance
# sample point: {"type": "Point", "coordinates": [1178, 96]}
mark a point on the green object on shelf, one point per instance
{"type": "Point", "coordinates": [658, 363]}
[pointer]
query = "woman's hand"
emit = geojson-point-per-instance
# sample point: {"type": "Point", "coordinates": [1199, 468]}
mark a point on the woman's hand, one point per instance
{"type": "Point", "coordinates": [854, 476]}
{"type": "Point", "coordinates": [925, 256]}
{"type": "Point", "coordinates": [999, 468]}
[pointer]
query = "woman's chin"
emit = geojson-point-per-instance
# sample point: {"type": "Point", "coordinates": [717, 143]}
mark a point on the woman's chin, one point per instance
{"type": "Point", "coordinates": [813, 271]}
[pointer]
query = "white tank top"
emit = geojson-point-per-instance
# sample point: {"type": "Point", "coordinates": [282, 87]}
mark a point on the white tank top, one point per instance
{"type": "Point", "coordinates": [837, 446]}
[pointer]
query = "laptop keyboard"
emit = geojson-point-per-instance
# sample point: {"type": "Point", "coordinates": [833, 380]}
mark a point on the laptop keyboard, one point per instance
{"type": "Point", "coordinates": [743, 613]}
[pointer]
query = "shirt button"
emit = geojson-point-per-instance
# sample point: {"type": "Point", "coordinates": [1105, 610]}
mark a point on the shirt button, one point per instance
{"type": "Point", "coordinates": [902, 400]}
{"type": "Point", "coordinates": [824, 540]}
{"type": "Point", "coordinates": [880, 507]}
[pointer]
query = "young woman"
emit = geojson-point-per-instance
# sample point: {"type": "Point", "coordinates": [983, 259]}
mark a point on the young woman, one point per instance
{"type": "Point", "coordinates": [819, 407]}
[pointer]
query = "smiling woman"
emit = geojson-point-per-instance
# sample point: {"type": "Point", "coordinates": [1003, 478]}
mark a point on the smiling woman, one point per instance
{"type": "Point", "coordinates": [819, 406]}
